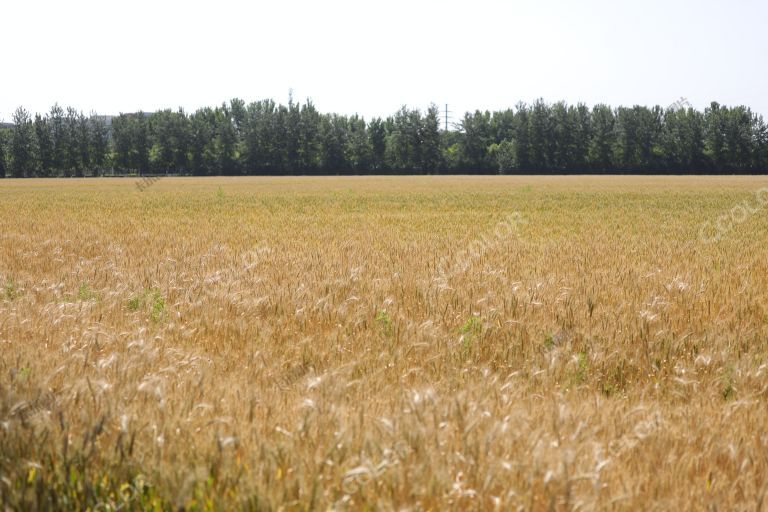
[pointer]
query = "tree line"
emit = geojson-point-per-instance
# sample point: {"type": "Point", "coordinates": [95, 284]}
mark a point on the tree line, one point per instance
{"type": "Point", "coordinates": [264, 137]}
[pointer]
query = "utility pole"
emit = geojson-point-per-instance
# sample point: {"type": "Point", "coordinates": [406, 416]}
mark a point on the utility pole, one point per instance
{"type": "Point", "coordinates": [447, 116]}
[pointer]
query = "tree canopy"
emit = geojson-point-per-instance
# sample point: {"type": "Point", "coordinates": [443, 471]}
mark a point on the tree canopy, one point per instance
{"type": "Point", "coordinates": [263, 137]}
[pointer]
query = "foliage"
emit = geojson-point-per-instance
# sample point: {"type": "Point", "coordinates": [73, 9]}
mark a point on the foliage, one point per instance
{"type": "Point", "coordinates": [469, 331]}
{"type": "Point", "coordinates": [264, 137]}
{"type": "Point", "coordinates": [504, 155]}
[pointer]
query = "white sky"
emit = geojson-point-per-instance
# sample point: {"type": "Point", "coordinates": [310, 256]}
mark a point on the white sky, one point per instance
{"type": "Point", "coordinates": [371, 57]}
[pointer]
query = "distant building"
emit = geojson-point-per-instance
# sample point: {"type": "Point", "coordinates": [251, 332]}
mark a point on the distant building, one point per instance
{"type": "Point", "coordinates": [6, 125]}
{"type": "Point", "coordinates": [107, 120]}
{"type": "Point", "coordinates": [145, 114]}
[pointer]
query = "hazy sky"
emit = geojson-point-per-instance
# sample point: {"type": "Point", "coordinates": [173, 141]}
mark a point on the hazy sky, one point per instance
{"type": "Point", "coordinates": [371, 57]}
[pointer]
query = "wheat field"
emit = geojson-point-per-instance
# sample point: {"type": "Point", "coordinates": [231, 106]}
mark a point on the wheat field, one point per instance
{"type": "Point", "coordinates": [382, 343]}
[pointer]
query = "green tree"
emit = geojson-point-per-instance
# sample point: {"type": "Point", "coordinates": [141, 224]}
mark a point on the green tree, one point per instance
{"type": "Point", "coordinates": [563, 136]}
{"type": "Point", "coordinates": [404, 142]}
{"type": "Point", "coordinates": [238, 113]}
{"type": "Point", "coordinates": [451, 150]}
{"type": "Point", "coordinates": [73, 164]}
{"type": "Point", "coordinates": [358, 145]}
{"type": "Point", "coordinates": [474, 144]}
{"type": "Point", "coordinates": [627, 150]}
{"type": "Point", "coordinates": [309, 138]}
{"type": "Point", "coordinates": [203, 150]}
{"type": "Point", "coordinates": [650, 127]}
{"type": "Point", "coordinates": [141, 142]}
{"type": "Point", "coordinates": [262, 147]}
{"type": "Point", "coordinates": [377, 134]}
{"type": "Point", "coordinates": [581, 120]}
{"type": "Point", "coordinates": [44, 144]}
{"type": "Point", "coordinates": [760, 163]}
{"type": "Point", "coordinates": [3, 152]}
{"type": "Point", "coordinates": [714, 136]}
{"type": "Point", "coordinates": [601, 147]}
{"type": "Point", "coordinates": [267, 137]}
{"type": "Point", "coordinates": [292, 137]}
{"type": "Point", "coordinates": [226, 142]}
{"type": "Point", "coordinates": [162, 155]}
{"type": "Point", "coordinates": [541, 137]}
{"type": "Point", "coordinates": [59, 139]}
{"type": "Point", "coordinates": [181, 141]}
{"type": "Point", "coordinates": [739, 138]}
{"type": "Point", "coordinates": [84, 142]}
{"type": "Point", "coordinates": [22, 145]}
{"type": "Point", "coordinates": [522, 137]}
{"type": "Point", "coordinates": [429, 135]}
{"type": "Point", "coordinates": [682, 140]}
{"type": "Point", "coordinates": [122, 142]}
{"type": "Point", "coordinates": [99, 142]}
{"type": "Point", "coordinates": [333, 134]}
{"type": "Point", "coordinates": [503, 125]}
{"type": "Point", "coordinates": [504, 154]}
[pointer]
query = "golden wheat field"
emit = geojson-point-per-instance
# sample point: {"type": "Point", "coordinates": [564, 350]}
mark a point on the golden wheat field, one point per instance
{"type": "Point", "coordinates": [371, 343]}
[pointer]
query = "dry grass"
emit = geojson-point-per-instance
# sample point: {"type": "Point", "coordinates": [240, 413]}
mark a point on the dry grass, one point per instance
{"type": "Point", "coordinates": [270, 343]}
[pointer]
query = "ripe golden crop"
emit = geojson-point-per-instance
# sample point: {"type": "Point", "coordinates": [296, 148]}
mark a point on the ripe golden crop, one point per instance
{"type": "Point", "coordinates": [384, 342]}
